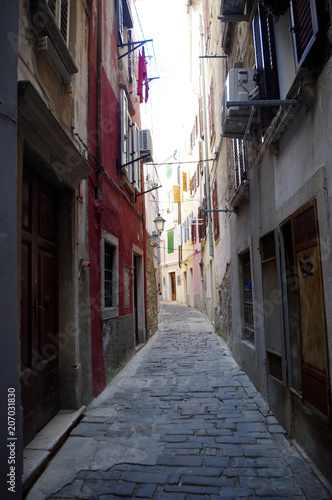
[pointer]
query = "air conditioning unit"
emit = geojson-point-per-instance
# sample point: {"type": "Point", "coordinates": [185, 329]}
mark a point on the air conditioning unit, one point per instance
{"type": "Point", "coordinates": [240, 86]}
{"type": "Point", "coordinates": [145, 142]}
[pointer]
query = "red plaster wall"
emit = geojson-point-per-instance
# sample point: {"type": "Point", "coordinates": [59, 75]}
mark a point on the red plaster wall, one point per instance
{"type": "Point", "coordinates": [113, 213]}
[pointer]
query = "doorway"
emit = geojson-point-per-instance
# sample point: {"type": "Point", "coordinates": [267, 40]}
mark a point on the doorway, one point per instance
{"type": "Point", "coordinates": [305, 320]}
{"type": "Point", "coordinates": [39, 307]}
{"type": "Point", "coordinates": [173, 286]}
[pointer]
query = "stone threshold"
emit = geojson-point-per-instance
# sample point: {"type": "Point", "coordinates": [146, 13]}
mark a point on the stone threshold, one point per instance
{"type": "Point", "coordinates": [39, 451]}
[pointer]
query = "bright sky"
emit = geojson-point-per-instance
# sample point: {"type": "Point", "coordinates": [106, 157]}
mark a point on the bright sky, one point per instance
{"type": "Point", "coordinates": [165, 23]}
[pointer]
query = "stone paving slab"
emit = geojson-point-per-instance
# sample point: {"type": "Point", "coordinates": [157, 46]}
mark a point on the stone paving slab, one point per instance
{"type": "Point", "coordinates": [180, 422]}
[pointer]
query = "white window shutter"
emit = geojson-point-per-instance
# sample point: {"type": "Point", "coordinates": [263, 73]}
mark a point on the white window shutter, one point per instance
{"type": "Point", "coordinates": [124, 129]}
{"type": "Point", "coordinates": [120, 20]}
{"type": "Point", "coordinates": [129, 168]}
{"type": "Point", "coordinates": [136, 154]}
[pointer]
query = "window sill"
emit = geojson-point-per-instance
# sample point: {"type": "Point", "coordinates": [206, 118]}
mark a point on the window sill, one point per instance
{"type": "Point", "coordinates": [241, 194]}
{"type": "Point", "coordinates": [109, 313]}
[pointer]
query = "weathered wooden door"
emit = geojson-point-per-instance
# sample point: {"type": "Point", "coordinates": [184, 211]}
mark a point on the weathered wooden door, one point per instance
{"type": "Point", "coordinates": [315, 376]}
{"type": "Point", "coordinates": [173, 286]}
{"type": "Point", "coordinates": [39, 311]}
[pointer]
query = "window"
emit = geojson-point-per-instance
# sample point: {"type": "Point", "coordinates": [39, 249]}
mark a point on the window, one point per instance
{"type": "Point", "coordinates": [266, 62]}
{"type": "Point", "coordinates": [211, 113]}
{"type": "Point", "coordinates": [123, 18]}
{"type": "Point", "coordinates": [248, 332]}
{"type": "Point", "coordinates": [109, 254]}
{"type": "Point", "coordinates": [215, 214]}
{"type": "Point", "coordinates": [304, 28]}
{"type": "Point", "coordinates": [170, 242]}
{"type": "Point", "coordinates": [125, 127]}
{"type": "Point", "coordinates": [109, 276]}
{"type": "Point", "coordinates": [60, 11]}
{"type": "Point", "coordinates": [240, 162]}
{"type": "Point", "coordinates": [135, 176]}
{"type": "Point", "coordinates": [202, 220]}
{"type": "Point", "coordinates": [130, 145]}
{"type": "Point", "coordinates": [170, 202]}
{"type": "Point", "coordinates": [193, 230]}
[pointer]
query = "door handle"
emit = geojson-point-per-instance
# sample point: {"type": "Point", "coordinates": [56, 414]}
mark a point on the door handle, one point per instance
{"type": "Point", "coordinates": [36, 308]}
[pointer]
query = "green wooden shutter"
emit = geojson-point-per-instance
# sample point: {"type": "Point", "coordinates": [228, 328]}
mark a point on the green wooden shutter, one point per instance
{"type": "Point", "coordinates": [170, 242]}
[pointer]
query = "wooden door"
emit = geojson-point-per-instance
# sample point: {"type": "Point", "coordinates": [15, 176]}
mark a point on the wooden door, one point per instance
{"type": "Point", "coordinates": [173, 286]}
{"type": "Point", "coordinates": [314, 366]}
{"type": "Point", "coordinates": [39, 311]}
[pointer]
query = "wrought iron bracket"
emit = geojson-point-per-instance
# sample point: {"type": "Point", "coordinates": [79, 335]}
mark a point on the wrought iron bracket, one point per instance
{"type": "Point", "coordinates": [138, 45]}
{"type": "Point", "coordinates": [144, 192]}
{"type": "Point", "coordinates": [119, 169]}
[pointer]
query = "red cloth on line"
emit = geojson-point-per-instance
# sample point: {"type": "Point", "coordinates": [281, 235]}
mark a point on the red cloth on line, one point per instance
{"type": "Point", "coordinates": [142, 77]}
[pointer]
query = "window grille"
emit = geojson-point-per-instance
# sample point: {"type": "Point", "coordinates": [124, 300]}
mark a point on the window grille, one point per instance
{"type": "Point", "coordinates": [109, 253]}
{"type": "Point", "coordinates": [240, 162]}
{"type": "Point", "coordinates": [248, 327]}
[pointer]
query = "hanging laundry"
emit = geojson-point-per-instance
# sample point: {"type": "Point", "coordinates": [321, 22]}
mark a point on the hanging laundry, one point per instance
{"type": "Point", "coordinates": [145, 77]}
{"type": "Point", "coordinates": [142, 77]}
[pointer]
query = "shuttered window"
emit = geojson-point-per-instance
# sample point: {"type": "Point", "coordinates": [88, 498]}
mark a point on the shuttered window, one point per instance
{"type": "Point", "coordinates": [211, 114]}
{"type": "Point", "coordinates": [170, 242]}
{"type": "Point", "coordinates": [136, 166]}
{"type": "Point", "coordinates": [193, 230]}
{"type": "Point", "coordinates": [60, 11]}
{"type": "Point", "coordinates": [304, 28]}
{"type": "Point", "coordinates": [124, 129]}
{"type": "Point", "coordinates": [266, 61]}
{"type": "Point", "coordinates": [120, 20]}
{"type": "Point", "coordinates": [203, 220]}
{"type": "Point", "coordinates": [215, 214]}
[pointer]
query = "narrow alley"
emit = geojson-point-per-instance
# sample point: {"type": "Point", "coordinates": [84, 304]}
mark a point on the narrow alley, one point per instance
{"type": "Point", "coordinates": [181, 421]}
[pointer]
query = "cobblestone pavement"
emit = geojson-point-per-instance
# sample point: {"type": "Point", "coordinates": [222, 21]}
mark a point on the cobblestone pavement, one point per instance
{"type": "Point", "coordinates": [180, 422]}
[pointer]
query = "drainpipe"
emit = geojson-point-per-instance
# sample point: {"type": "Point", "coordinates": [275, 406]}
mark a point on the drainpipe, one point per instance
{"type": "Point", "coordinates": [206, 148]}
{"type": "Point", "coordinates": [99, 189]}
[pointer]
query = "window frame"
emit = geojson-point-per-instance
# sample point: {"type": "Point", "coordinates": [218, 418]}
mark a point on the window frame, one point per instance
{"type": "Point", "coordinates": [266, 62]}
{"type": "Point", "coordinates": [108, 312]}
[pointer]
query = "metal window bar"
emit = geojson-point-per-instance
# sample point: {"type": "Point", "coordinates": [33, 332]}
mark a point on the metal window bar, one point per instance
{"type": "Point", "coordinates": [240, 162]}
{"type": "Point", "coordinates": [248, 333]}
{"type": "Point", "coordinates": [108, 274]}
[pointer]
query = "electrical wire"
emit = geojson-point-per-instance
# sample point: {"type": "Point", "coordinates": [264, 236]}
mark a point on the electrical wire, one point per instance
{"type": "Point", "coordinates": [181, 162]}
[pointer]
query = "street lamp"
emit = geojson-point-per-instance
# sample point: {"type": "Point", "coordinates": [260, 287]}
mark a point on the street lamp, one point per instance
{"type": "Point", "coordinates": [159, 222]}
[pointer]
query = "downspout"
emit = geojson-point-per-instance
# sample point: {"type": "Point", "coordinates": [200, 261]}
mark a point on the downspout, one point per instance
{"type": "Point", "coordinates": [99, 188]}
{"type": "Point", "coordinates": [206, 148]}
